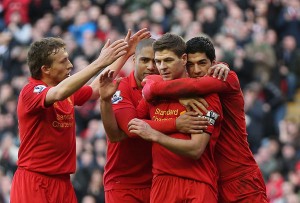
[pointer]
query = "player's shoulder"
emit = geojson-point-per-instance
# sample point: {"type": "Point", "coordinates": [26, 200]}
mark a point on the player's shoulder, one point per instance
{"type": "Point", "coordinates": [125, 82]}
{"type": "Point", "coordinates": [233, 82]}
{"type": "Point", "coordinates": [232, 75]}
{"type": "Point", "coordinates": [33, 88]}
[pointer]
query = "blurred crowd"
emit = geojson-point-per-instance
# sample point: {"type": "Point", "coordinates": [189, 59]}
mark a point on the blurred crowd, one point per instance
{"type": "Point", "coordinates": [259, 39]}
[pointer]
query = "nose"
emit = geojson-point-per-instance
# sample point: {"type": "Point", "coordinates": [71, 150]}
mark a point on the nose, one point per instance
{"type": "Point", "coordinates": [197, 69]}
{"type": "Point", "coordinates": [151, 65]}
{"type": "Point", "coordinates": [70, 64]}
{"type": "Point", "coordinates": [162, 66]}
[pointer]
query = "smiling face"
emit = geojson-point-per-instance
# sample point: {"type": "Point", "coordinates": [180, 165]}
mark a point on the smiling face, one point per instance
{"type": "Point", "coordinates": [198, 64]}
{"type": "Point", "coordinates": [169, 65]}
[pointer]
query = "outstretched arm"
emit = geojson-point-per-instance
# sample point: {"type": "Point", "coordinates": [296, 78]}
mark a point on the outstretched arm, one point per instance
{"type": "Point", "coordinates": [109, 53]}
{"type": "Point", "coordinates": [188, 87]}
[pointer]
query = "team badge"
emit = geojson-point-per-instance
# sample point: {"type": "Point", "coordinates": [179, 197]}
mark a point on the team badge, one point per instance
{"type": "Point", "coordinates": [38, 89]}
{"type": "Point", "coordinates": [116, 97]}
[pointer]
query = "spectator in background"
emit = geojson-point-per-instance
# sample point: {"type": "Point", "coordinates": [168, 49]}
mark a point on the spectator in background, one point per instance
{"type": "Point", "coordinates": [5, 184]}
{"type": "Point", "coordinates": [114, 11]}
{"type": "Point", "coordinates": [288, 20]}
{"type": "Point", "coordinates": [289, 71]}
{"type": "Point", "coordinates": [20, 6]}
{"type": "Point", "coordinates": [8, 153]}
{"type": "Point", "coordinates": [274, 106]}
{"type": "Point", "coordinates": [288, 159]}
{"type": "Point", "coordinates": [209, 16]}
{"type": "Point", "coordinates": [255, 115]}
{"type": "Point", "coordinates": [81, 27]}
{"type": "Point", "coordinates": [262, 55]}
{"type": "Point", "coordinates": [21, 31]}
{"type": "Point", "coordinates": [274, 186]}
{"type": "Point", "coordinates": [289, 131]}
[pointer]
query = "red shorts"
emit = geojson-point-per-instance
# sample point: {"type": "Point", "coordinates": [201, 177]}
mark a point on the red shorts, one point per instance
{"type": "Point", "coordinates": [247, 189]}
{"type": "Point", "coordinates": [176, 189]}
{"type": "Point", "coordinates": [31, 187]}
{"type": "Point", "coordinates": [141, 195]}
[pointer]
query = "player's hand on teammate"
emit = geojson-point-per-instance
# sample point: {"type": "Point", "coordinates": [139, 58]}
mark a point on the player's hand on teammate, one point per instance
{"type": "Point", "coordinates": [107, 85]}
{"type": "Point", "coordinates": [198, 105]}
{"type": "Point", "coordinates": [143, 129]}
{"type": "Point", "coordinates": [219, 70]}
{"type": "Point", "coordinates": [191, 123]}
{"type": "Point", "coordinates": [147, 86]}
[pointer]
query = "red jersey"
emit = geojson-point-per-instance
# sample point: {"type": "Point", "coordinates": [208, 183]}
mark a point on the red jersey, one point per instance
{"type": "Point", "coordinates": [233, 155]}
{"type": "Point", "coordinates": [128, 164]}
{"type": "Point", "coordinates": [47, 134]}
{"type": "Point", "coordinates": [166, 162]}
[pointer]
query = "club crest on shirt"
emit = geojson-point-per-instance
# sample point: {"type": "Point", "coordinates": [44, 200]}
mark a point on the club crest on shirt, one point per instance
{"type": "Point", "coordinates": [39, 88]}
{"type": "Point", "coordinates": [212, 117]}
{"type": "Point", "coordinates": [116, 97]}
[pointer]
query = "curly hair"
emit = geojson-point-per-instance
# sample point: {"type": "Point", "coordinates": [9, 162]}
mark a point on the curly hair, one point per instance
{"type": "Point", "coordinates": [40, 52]}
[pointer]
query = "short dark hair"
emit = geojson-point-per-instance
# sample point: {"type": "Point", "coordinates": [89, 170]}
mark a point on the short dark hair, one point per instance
{"type": "Point", "coordinates": [39, 54]}
{"type": "Point", "coordinates": [202, 45]}
{"type": "Point", "coordinates": [171, 42]}
{"type": "Point", "coordinates": [144, 43]}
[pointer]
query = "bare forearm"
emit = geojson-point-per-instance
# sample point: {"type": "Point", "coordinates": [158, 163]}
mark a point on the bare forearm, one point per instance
{"type": "Point", "coordinates": [118, 64]}
{"type": "Point", "coordinates": [116, 67]}
{"type": "Point", "coordinates": [114, 133]}
{"type": "Point", "coordinates": [192, 148]}
{"type": "Point", "coordinates": [71, 84]}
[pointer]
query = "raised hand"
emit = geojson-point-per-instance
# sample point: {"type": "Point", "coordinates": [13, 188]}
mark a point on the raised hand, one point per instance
{"type": "Point", "coordinates": [135, 39]}
{"type": "Point", "coordinates": [111, 52]}
{"type": "Point", "coordinates": [107, 85]}
{"type": "Point", "coordinates": [219, 70]}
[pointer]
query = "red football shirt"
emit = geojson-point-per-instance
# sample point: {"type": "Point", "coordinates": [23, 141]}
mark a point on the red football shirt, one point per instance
{"type": "Point", "coordinates": [47, 134]}
{"type": "Point", "coordinates": [166, 162]}
{"type": "Point", "coordinates": [128, 164]}
{"type": "Point", "coordinates": [233, 155]}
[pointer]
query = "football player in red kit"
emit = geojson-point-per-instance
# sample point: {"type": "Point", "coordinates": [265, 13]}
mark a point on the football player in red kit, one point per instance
{"type": "Point", "coordinates": [240, 178]}
{"type": "Point", "coordinates": [183, 164]}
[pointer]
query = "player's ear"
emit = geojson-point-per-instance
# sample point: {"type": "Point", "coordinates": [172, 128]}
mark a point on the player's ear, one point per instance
{"type": "Point", "coordinates": [45, 69]}
{"type": "Point", "coordinates": [184, 58]}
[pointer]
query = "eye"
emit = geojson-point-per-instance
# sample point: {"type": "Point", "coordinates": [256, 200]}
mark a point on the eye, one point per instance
{"type": "Point", "coordinates": [188, 65]}
{"type": "Point", "coordinates": [145, 60]}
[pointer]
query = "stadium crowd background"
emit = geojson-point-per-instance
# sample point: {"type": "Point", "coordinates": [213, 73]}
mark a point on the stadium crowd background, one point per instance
{"type": "Point", "coordinates": [259, 39]}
